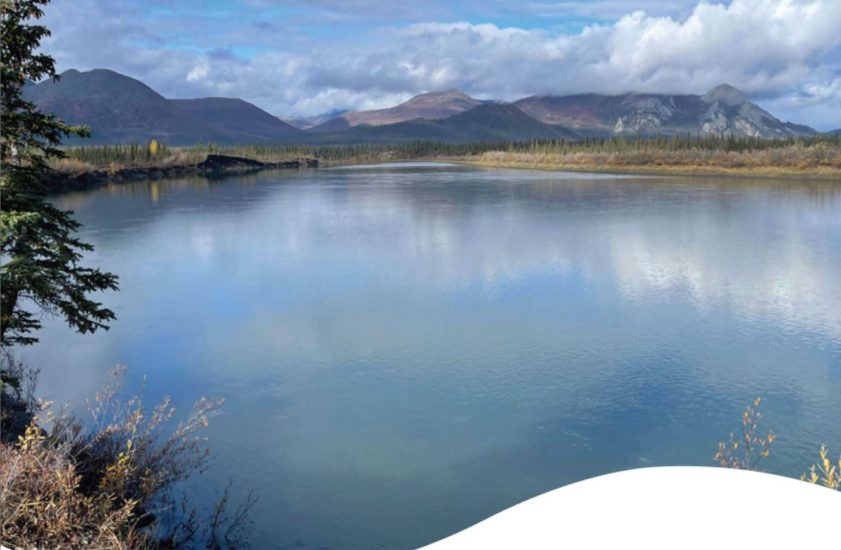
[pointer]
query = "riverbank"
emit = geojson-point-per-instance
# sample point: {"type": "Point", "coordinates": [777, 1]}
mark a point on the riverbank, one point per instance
{"type": "Point", "coordinates": [659, 170]}
{"type": "Point", "coordinates": [818, 157]}
{"type": "Point", "coordinates": [814, 162]}
{"type": "Point", "coordinates": [76, 176]}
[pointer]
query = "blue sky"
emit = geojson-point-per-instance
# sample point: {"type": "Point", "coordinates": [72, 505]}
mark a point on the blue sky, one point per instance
{"type": "Point", "coordinates": [304, 57]}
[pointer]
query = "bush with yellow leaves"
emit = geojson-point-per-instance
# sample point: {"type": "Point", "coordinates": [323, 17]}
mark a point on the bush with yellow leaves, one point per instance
{"type": "Point", "coordinates": [44, 507]}
{"type": "Point", "coordinates": [746, 450]}
{"type": "Point", "coordinates": [825, 472]}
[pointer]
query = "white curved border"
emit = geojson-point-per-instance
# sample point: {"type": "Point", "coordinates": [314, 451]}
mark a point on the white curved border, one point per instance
{"type": "Point", "coordinates": [666, 507]}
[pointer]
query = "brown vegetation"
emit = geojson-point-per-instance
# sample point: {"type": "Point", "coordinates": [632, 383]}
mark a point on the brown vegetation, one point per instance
{"type": "Point", "coordinates": [819, 159]}
{"type": "Point", "coordinates": [43, 504]}
{"type": "Point", "coordinates": [815, 155]}
{"type": "Point", "coordinates": [109, 482]}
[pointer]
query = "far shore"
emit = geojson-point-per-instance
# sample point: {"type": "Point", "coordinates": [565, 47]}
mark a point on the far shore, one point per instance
{"type": "Point", "coordinates": [92, 177]}
{"type": "Point", "coordinates": [817, 172]}
{"type": "Point", "coordinates": [813, 158]}
{"type": "Point", "coordinates": [214, 166]}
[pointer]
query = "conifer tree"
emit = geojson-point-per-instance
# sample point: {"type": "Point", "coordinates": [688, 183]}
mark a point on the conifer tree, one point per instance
{"type": "Point", "coordinates": [41, 257]}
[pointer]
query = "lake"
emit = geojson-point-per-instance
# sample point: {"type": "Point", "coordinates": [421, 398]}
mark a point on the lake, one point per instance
{"type": "Point", "coordinates": [405, 350]}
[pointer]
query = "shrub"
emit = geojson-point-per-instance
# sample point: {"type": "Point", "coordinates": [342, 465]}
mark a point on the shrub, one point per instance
{"type": "Point", "coordinates": [44, 507]}
{"type": "Point", "coordinates": [824, 472]}
{"type": "Point", "coordinates": [745, 451]}
{"type": "Point", "coordinates": [110, 482]}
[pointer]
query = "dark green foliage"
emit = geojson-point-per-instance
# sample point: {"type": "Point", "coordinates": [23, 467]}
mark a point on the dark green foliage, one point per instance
{"type": "Point", "coordinates": [706, 142]}
{"type": "Point", "coordinates": [40, 255]}
{"type": "Point", "coordinates": [131, 154]}
{"type": "Point", "coordinates": [352, 153]}
{"type": "Point", "coordinates": [134, 154]}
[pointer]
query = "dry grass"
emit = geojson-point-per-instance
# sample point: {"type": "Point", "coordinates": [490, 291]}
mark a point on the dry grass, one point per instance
{"type": "Point", "coordinates": [71, 166]}
{"type": "Point", "coordinates": [44, 507]}
{"type": "Point", "coordinates": [109, 482]}
{"type": "Point", "coordinates": [819, 159]}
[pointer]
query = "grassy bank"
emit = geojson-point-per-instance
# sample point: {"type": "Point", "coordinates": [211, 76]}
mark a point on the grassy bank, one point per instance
{"type": "Point", "coordinates": [819, 160]}
{"type": "Point", "coordinates": [494, 161]}
{"type": "Point", "coordinates": [818, 155]}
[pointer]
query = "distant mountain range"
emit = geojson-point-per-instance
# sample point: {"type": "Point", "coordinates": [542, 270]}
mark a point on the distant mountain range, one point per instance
{"type": "Point", "coordinates": [120, 109]}
{"type": "Point", "coordinates": [493, 122]}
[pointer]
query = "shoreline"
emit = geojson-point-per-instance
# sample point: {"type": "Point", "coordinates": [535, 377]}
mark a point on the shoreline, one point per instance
{"type": "Point", "coordinates": [214, 166]}
{"type": "Point", "coordinates": [768, 172]}
{"type": "Point", "coordinates": [218, 166]}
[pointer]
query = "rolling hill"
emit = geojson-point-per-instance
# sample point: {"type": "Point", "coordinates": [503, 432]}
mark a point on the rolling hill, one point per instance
{"type": "Point", "coordinates": [722, 110]}
{"type": "Point", "coordinates": [120, 109]}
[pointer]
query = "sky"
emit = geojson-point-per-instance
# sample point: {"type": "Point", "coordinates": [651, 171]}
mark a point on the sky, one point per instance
{"type": "Point", "coordinates": [307, 57]}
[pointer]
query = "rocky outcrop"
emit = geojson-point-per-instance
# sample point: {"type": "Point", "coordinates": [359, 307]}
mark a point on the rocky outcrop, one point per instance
{"type": "Point", "coordinates": [225, 163]}
{"type": "Point", "coordinates": [647, 114]}
{"type": "Point", "coordinates": [730, 113]}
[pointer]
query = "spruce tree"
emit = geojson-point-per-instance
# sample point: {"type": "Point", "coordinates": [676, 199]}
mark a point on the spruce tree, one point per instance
{"type": "Point", "coordinates": [41, 257]}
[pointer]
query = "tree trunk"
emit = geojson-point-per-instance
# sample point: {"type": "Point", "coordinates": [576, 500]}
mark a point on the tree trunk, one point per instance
{"type": "Point", "coordinates": [8, 301]}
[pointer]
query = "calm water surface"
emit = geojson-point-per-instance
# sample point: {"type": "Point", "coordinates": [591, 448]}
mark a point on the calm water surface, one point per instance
{"type": "Point", "coordinates": [406, 350]}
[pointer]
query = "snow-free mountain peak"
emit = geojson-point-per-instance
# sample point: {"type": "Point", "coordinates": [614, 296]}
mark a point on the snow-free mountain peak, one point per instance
{"type": "Point", "coordinates": [431, 106]}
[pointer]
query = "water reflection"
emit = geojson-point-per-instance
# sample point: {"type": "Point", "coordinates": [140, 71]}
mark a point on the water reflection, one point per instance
{"type": "Point", "coordinates": [406, 350]}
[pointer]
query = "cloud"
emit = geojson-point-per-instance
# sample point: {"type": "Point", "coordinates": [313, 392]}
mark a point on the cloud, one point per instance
{"type": "Point", "coordinates": [786, 53]}
{"type": "Point", "coordinates": [760, 46]}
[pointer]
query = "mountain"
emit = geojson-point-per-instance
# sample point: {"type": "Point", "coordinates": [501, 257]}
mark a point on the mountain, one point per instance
{"type": "Point", "coordinates": [307, 122]}
{"type": "Point", "coordinates": [491, 122]}
{"type": "Point", "coordinates": [431, 106]}
{"type": "Point", "coordinates": [120, 109]}
{"type": "Point", "coordinates": [238, 120]}
{"type": "Point", "coordinates": [722, 110]}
